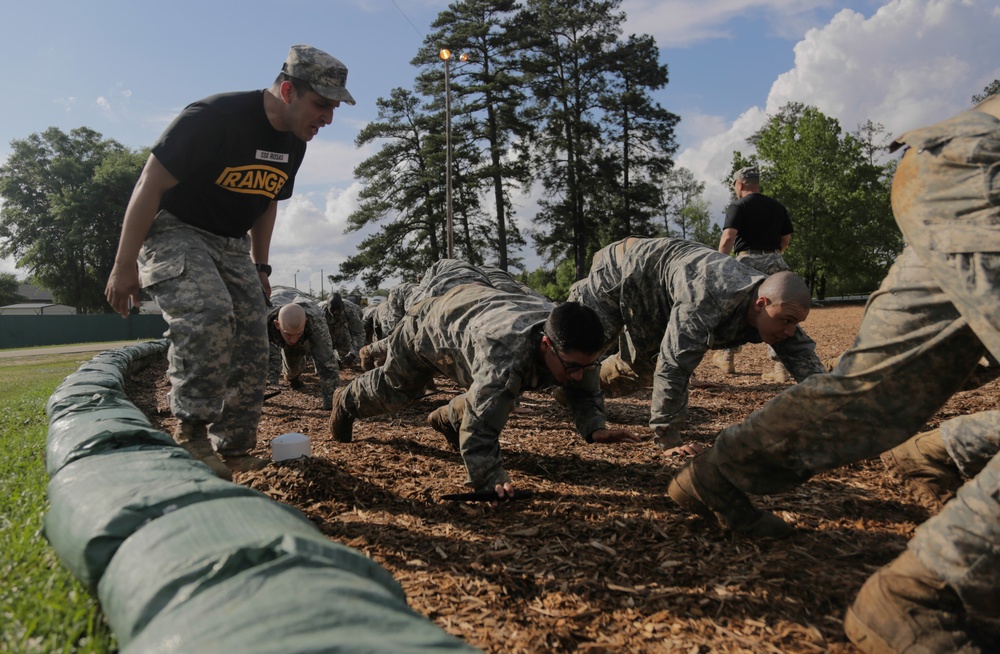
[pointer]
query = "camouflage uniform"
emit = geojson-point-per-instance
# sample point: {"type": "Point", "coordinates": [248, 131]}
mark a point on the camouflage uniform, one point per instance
{"type": "Point", "coordinates": [923, 333]}
{"type": "Point", "coordinates": [672, 301]}
{"type": "Point", "coordinates": [390, 312]}
{"type": "Point", "coordinates": [347, 328]}
{"type": "Point", "coordinates": [211, 298]}
{"type": "Point", "coordinates": [315, 343]}
{"type": "Point", "coordinates": [504, 281]}
{"type": "Point", "coordinates": [446, 274]}
{"type": "Point", "coordinates": [486, 341]}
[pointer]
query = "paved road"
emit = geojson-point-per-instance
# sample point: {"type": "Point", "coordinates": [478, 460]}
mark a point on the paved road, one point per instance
{"type": "Point", "coordinates": [66, 349]}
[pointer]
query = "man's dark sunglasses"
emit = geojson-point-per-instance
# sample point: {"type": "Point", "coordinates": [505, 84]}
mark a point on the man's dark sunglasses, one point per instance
{"type": "Point", "coordinates": [571, 367]}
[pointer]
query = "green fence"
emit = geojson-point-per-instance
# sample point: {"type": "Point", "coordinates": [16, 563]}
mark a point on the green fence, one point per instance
{"type": "Point", "coordinates": [31, 331]}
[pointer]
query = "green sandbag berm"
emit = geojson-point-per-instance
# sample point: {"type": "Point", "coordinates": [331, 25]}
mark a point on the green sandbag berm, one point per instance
{"type": "Point", "coordinates": [185, 562]}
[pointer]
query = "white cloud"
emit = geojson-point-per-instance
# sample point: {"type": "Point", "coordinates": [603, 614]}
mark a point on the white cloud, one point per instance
{"type": "Point", "coordinates": [679, 23]}
{"type": "Point", "coordinates": [912, 63]}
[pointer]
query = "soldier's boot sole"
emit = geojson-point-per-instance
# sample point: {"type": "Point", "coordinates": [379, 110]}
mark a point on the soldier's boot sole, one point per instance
{"type": "Point", "coordinates": [341, 421]}
{"type": "Point", "coordinates": [904, 607]}
{"type": "Point", "coordinates": [699, 488]}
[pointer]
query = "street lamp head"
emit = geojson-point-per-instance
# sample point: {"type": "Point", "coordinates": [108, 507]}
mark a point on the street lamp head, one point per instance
{"type": "Point", "coordinates": [445, 54]}
{"type": "Point", "coordinates": [464, 56]}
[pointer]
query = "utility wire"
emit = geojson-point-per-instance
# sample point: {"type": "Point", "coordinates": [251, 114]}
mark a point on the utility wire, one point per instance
{"type": "Point", "coordinates": [409, 21]}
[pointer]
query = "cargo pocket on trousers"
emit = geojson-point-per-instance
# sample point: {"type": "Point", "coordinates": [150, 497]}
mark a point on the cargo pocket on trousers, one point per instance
{"type": "Point", "coordinates": [154, 272]}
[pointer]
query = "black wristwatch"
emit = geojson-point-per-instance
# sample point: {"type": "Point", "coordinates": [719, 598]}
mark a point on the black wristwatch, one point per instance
{"type": "Point", "coordinates": [263, 268]}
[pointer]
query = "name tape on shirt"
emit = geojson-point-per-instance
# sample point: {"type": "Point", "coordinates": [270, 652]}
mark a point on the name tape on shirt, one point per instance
{"type": "Point", "coordinates": [280, 157]}
{"type": "Point", "coordinates": [260, 180]}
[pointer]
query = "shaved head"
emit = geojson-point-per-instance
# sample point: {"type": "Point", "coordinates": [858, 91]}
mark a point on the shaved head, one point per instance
{"type": "Point", "coordinates": [292, 318]}
{"type": "Point", "coordinates": [786, 287]}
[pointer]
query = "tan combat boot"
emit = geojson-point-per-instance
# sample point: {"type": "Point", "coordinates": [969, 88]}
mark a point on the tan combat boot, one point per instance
{"type": "Point", "coordinates": [778, 375]}
{"type": "Point", "coordinates": [366, 359]}
{"type": "Point", "coordinates": [341, 420]}
{"type": "Point", "coordinates": [904, 607]}
{"type": "Point", "coordinates": [725, 360]}
{"type": "Point", "coordinates": [439, 422]}
{"type": "Point", "coordinates": [193, 437]}
{"type": "Point", "coordinates": [924, 465]}
{"type": "Point", "coordinates": [617, 378]}
{"type": "Point", "coordinates": [700, 487]}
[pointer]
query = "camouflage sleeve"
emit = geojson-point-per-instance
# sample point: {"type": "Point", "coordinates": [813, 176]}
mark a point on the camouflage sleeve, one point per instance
{"type": "Point", "coordinates": [491, 399]}
{"type": "Point", "coordinates": [798, 353]}
{"type": "Point", "coordinates": [356, 327]}
{"type": "Point", "coordinates": [586, 403]}
{"type": "Point", "coordinates": [682, 348]}
{"type": "Point", "coordinates": [323, 354]}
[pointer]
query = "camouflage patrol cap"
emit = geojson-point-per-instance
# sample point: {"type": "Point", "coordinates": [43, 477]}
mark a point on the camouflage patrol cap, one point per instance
{"type": "Point", "coordinates": [747, 174]}
{"type": "Point", "coordinates": [327, 75]}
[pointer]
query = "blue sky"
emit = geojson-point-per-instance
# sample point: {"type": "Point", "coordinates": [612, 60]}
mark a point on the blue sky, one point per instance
{"type": "Point", "coordinates": [126, 67]}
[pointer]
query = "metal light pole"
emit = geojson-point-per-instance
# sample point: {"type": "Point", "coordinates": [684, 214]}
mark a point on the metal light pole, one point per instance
{"type": "Point", "coordinates": [446, 57]}
{"type": "Point", "coordinates": [295, 279]}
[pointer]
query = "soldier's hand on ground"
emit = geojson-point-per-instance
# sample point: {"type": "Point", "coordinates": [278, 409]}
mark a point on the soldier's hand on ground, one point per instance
{"type": "Point", "coordinates": [503, 490]}
{"type": "Point", "coordinates": [700, 383]}
{"type": "Point", "coordinates": [687, 449]}
{"type": "Point", "coordinates": [614, 436]}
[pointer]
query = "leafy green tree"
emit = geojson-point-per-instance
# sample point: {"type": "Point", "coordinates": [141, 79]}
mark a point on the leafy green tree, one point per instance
{"type": "Point", "coordinates": [569, 49]}
{"type": "Point", "coordinates": [699, 227]}
{"type": "Point", "coordinates": [638, 140]}
{"type": "Point", "coordinates": [64, 197]}
{"type": "Point", "coordinates": [553, 283]}
{"type": "Point", "coordinates": [836, 193]}
{"type": "Point", "coordinates": [487, 90]}
{"type": "Point", "coordinates": [991, 89]}
{"type": "Point", "coordinates": [601, 145]}
{"type": "Point", "coordinates": [683, 202]}
{"type": "Point", "coordinates": [8, 290]}
{"type": "Point", "coordinates": [402, 193]}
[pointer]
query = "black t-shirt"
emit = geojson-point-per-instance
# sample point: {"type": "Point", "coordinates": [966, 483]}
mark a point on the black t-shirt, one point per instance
{"type": "Point", "coordinates": [230, 162]}
{"type": "Point", "coordinates": [760, 222]}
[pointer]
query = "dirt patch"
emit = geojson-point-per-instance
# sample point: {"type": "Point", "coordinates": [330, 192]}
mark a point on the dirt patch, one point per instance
{"type": "Point", "coordinates": [601, 560]}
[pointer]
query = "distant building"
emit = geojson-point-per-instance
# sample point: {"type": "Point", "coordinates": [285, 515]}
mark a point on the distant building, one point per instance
{"type": "Point", "coordinates": [37, 309]}
{"type": "Point", "coordinates": [34, 295]}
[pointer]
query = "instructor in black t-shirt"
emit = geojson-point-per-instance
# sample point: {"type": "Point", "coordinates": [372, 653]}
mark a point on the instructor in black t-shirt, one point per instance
{"type": "Point", "coordinates": [759, 229]}
{"type": "Point", "coordinates": [199, 223]}
{"type": "Point", "coordinates": [755, 224]}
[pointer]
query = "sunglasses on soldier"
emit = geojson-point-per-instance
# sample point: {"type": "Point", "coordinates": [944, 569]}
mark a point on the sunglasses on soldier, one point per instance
{"type": "Point", "coordinates": [570, 366]}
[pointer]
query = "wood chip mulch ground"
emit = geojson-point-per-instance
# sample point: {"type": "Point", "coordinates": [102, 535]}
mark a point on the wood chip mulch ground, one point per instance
{"type": "Point", "coordinates": [600, 560]}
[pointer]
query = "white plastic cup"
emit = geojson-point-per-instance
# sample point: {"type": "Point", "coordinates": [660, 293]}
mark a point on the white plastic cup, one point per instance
{"type": "Point", "coordinates": [290, 446]}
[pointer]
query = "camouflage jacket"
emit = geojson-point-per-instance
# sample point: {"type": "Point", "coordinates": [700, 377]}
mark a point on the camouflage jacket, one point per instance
{"type": "Point", "coordinates": [347, 328]}
{"type": "Point", "coordinates": [488, 341]}
{"type": "Point", "coordinates": [675, 300]}
{"type": "Point", "coordinates": [316, 337]}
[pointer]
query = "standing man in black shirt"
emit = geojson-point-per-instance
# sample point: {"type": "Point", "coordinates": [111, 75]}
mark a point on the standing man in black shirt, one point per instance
{"type": "Point", "coordinates": [759, 229]}
{"type": "Point", "coordinates": [199, 223]}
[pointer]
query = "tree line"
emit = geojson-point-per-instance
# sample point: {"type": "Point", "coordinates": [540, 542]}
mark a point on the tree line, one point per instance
{"type": "Point", "coordinates": [553, 100]}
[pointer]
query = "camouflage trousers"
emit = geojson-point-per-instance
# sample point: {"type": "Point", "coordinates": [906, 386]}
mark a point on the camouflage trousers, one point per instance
{"type": "Point", "coordinates": [768, 264]}
{"type": "Point", "coordinates": [402, 379]}
{"type": "Point", "coordinates": [211, 298]}
{"type": "Point", "coordinates": [921, 337]}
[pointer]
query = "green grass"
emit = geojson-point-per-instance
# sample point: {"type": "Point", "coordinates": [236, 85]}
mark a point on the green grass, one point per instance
{"type": "Point", "coordinates": [42, 607]}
